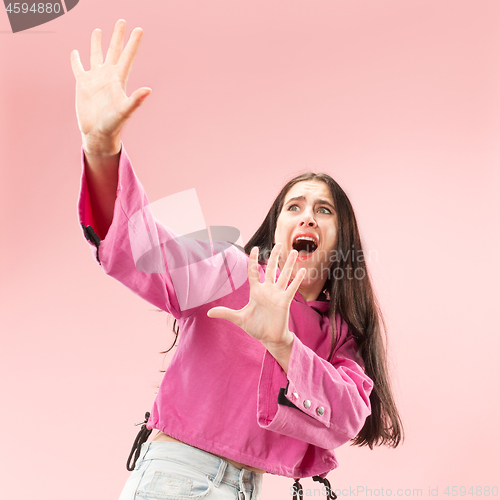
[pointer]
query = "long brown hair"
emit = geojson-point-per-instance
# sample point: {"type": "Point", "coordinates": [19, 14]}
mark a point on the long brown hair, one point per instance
{"type": "Point", "coordinates": [353, 299]}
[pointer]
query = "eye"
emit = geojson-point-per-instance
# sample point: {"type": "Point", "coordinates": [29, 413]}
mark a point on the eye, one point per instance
{"type": "Point", "coordinates": [293, 208]}
{"type": "Point", "coordinates": [324, 210]}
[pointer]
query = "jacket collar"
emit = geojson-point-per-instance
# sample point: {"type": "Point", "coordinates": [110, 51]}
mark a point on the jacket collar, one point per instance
{"type": "Point", "coordinates": [319, 305]}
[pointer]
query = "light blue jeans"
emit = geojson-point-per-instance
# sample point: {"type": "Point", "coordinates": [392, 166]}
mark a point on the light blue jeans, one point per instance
{"type": "Point", "coordinates": [177, 471]}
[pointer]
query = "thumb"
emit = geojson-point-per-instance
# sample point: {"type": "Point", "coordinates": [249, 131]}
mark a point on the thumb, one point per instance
{"type": "Point", "coordinates": [136, 100]}
{"type": "Point", "coordinates": [224, 313]}
{"type": "Point", "coordinates": [141, 94]}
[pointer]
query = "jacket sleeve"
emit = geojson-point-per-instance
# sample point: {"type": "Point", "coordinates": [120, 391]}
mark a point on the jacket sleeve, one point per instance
{"type": "Point", "coordinates": [321, 403]}
{"type": "Point", "coordinates": [151, 260]}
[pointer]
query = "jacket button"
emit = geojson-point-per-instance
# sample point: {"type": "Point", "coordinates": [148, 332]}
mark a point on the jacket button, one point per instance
{"type": "Point", "coordinates": [320, 410]}
{"type": "Point", "coordinates": [307, 404]}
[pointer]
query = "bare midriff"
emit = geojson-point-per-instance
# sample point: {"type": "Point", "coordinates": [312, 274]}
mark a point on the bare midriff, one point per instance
{"type": "Point", "coordinates": [161, 436]}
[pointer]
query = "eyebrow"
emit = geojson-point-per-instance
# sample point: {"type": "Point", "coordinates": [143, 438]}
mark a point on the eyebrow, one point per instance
{"type": "Point", "coordinates": [318, 201]}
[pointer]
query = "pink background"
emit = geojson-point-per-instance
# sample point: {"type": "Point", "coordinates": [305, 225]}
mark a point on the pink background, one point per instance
{"type": "Point", "coordinates": [397, 100]}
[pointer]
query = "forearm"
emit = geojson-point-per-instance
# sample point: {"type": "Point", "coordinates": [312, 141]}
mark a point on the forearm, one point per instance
{"type": "Point", "coordinates": [101, 170]}
{"type": "Point", "coordinates": [328, 403]}
{"type": "Point", "coordinates": [281, 352]}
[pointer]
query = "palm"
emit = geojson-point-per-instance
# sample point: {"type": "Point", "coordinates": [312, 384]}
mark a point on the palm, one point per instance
{"type": "Point", "coordinates": [102, 104]}
{"type": "Point", "coordinates": [265, 317]}
{"type": "Point", "coordinates": [265, 313]}
{"type": "Point", "coordinates": [100, 101]}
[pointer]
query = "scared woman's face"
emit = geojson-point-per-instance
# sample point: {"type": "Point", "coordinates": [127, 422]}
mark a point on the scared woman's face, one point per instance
{"type": "Point", "coordinates": [308, 224]}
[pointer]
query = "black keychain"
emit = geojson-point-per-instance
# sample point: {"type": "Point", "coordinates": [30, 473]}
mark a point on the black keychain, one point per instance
{"type": "Point", "coordinates": [140, 439]}
{"type": "Point", "coordinates": [298, 492]}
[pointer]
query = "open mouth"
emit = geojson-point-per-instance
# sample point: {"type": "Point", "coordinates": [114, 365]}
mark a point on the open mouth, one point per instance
{"type": "Point", "coordinates": [305, 245]}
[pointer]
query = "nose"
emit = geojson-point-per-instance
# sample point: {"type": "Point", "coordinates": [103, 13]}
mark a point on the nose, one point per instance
{"type": "Point", "coordinates": [308, 219]}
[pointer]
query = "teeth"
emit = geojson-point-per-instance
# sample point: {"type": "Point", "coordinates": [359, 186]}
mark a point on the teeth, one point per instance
{"type": "Point", "coordinates": [309, 247]}
{"type": "Point", "coordinates": [308, 238]}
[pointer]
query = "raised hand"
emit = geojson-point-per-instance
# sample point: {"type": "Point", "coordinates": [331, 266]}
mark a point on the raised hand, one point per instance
{"type": "Point", "coordinates": [102, 105]}
{"type": "Point", "coordinates": [265, 317]}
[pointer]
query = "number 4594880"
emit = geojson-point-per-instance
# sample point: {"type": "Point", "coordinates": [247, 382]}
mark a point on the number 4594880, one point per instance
{"type": "Point", "coordinates": [36, 8]}
{"type": "Point", "coordinates": [478, 491]}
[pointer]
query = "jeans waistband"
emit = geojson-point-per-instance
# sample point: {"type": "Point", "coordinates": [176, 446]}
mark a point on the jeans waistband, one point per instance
{"type": "Point", "coordinates": [216, 468]}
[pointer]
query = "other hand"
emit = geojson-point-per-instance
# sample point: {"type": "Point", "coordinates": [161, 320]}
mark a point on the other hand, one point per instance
{"type": "Point", "coordinates": [102, 105]}
{"type": "Point", "coordinates": [265, 317]}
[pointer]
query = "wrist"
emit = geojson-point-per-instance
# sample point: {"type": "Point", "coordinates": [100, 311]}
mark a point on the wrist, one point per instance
{"type": "Point", "coordinates": [101, 147]}
{"type": "Point", "coordinates": [281, 351]}
{"type": "Point", "coordinates": [285, 343]}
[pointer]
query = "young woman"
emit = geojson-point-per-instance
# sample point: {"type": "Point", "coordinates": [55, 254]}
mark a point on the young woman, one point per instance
{"type": "Point", "coordinates": [280, 357]}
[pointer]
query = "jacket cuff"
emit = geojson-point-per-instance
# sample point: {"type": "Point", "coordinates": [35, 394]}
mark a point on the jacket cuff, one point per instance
{"type": "Point", "coordinates": [303, 377]}
{"type": "Point", "coordinates": [85, 214]}
{"type": "Point", "coordinates": [84, 207]}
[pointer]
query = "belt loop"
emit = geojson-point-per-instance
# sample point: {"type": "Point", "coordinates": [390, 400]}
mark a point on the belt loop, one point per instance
{"type": "Point", "coordinates": [144, 450]}
{"type": "Point", "coordinates": [257, 484]}
{"type": "Point", "coordinates": [220, 473]}
{"type": "Point", "coordinates": [241, 492]}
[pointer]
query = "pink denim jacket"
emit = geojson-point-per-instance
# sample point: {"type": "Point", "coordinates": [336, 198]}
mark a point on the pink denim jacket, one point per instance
{"type": "Point", "coordinates": [223, 392]}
